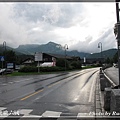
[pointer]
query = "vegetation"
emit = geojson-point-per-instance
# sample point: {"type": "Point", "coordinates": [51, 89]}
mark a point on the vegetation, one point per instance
{"type": "Point", "coordinates": [27, 69]}
{"type": "Point", "coordinates": [60, 66]}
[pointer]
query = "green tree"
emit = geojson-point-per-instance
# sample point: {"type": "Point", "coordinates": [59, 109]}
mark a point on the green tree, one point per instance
{"type": "Point", "coordinates": [61, 63]}
{"type": "Point", "coordinates": [10, 56]}
{"type": "Point", "coordinates": [108, 60]}
{"type": "Point", "coordinates": [115, 58]}
{"type": "Point", "coordinates": [76, 64]}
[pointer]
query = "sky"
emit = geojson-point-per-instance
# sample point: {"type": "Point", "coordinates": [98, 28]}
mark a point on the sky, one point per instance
{"type": "Point", "coordinates": [80, 25]}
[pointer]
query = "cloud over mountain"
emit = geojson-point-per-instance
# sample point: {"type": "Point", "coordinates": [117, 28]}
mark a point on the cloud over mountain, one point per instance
{"type": "Point", "coordinates": [80, 25]}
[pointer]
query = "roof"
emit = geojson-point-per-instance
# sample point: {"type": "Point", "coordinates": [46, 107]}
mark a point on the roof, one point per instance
{"type": "Point", "coordinates": [58, 55]}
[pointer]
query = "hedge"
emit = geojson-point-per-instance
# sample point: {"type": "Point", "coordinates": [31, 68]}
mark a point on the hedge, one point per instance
{"type": "Point", "coordinates": [42, 69]}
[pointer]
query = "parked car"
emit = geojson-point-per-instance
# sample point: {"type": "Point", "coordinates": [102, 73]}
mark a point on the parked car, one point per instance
{"type": "Point", "coordinates": [5, 71]}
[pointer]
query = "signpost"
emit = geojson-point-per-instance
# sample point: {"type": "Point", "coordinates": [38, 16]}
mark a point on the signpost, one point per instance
{"type": "Point", "coordinates": [38, 57]}
{"type": "Point", "coordinates": [2, 59]}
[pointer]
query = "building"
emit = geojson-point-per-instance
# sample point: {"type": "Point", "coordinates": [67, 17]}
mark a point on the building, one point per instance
{"type": "Point", "coordinates": [50, 59]}
{"type": "Point", "coordinates": [28, 61]}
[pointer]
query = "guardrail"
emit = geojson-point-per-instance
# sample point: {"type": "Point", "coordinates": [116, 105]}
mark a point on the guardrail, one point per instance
{"type": "Point", "coordinates": [111, 82]}
{"type": "Point", "coordinates": [111, 93]}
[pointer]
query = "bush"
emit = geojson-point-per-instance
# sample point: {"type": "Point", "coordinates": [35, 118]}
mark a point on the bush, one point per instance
{"type": "Point", "coordinates": [28, 69]}
{"type": "Point", "coordinates": [61, 63]}
{"type": "Point", "coordinates": [42, 69]}
{"type": "Point", "coordinates": [76, 64]}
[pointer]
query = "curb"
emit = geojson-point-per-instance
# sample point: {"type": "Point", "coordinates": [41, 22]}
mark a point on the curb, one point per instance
{"type": "Point", "coordinates": [98, 100]}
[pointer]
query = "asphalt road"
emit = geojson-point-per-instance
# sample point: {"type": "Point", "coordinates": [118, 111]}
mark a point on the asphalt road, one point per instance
{"type": "Point", "coordinates": [112, 73]}
{"type": "Point", "coordinates": [65, 94]}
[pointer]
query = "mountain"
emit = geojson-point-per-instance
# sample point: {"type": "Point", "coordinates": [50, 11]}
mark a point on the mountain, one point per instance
{"type": "Point", "coordinates": [32, 48]}
{"type": "Point", "coordinates": [107, 53]}
{"type": "Point", "coordinates": [2, 49]}
{"type": "Point", "coordinates": [51, 47]}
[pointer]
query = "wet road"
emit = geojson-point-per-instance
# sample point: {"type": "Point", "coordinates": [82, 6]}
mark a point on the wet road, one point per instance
{"type": "Point", "coordinates": [57, 94]}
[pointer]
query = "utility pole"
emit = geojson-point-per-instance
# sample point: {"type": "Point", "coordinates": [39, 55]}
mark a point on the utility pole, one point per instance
{"type": "Point", "coordinates": [118, 36]}
{"type": "Point", "coordinates": [4, 46]}
{"type": "Point", "coordinates": [65, 47]}
{"type": "Point", "coordinates": [100, 46]}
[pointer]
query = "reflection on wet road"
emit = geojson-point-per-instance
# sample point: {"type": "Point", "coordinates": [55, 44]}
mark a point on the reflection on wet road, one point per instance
{"type": "Point", "coordinates": [71, 92]}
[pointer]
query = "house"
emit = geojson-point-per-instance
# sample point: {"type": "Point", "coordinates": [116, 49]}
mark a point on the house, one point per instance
{"type": "Point", "coordinates": [50, 59]}
{"type": "Point", "coordinates": [28, 61]}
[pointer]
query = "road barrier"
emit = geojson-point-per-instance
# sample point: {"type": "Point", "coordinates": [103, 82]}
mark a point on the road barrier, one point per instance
{"type": "Point", "coordinates": [111, 94]}
{"type": "Point", "coordinates": [104, 82]}
{"type": "Point", "coordinates": [108, 86]}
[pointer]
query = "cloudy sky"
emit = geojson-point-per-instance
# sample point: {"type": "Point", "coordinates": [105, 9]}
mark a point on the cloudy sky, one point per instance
{"type": "Point", "coordinates": [79, 25]}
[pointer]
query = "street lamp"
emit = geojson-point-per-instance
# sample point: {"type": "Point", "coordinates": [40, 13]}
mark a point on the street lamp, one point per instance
{"type": "Point", "coordinates": [65, 47]}
{"type": "Point", "coordinates": [100, 46]}
{"type": "Point", "coordinates": [4, 46]}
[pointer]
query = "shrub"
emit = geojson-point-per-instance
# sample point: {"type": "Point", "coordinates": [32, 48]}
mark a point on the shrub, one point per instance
{"type": "Point", "coordinates": [61, 63]}
{"type": "Point", "coordinates": [42, 69]}
{"type": "Point", "coordinates": [28, 69]}
{"type": "Point", "coordinates": [76, 64]}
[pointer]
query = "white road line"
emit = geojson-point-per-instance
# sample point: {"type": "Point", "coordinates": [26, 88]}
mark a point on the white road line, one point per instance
{"type": "Point", "coordinates": [91, 91]}
{"type": "Point", "coordinates": [3, 114]}
{"type": "Point", "coordinates": [51, 114]}
{"type": "Point", "coordinates": [26, 113]}
{"type": "Point", "coordinates": [2, 108]}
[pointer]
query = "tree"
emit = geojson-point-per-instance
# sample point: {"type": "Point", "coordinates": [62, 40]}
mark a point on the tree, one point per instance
{"type": "Point", "coordinates": [76, 64]}
{"type": "Point", "coordinates": [61, 63]}
{"type": "Point", "coordinates": [10, 56]}
{"type": "Point", "coordinates": [115, 58]}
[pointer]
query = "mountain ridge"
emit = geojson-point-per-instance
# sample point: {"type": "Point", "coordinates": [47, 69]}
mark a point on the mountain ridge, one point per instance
{"type": "Point", "coordinates": [51, 47]}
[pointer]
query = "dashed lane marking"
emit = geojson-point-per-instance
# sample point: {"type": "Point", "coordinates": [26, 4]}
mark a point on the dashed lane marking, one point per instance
{"type": "Point", "coordinates": [51, 114]}
{"type": "Point", "coordinates": [32, 95]}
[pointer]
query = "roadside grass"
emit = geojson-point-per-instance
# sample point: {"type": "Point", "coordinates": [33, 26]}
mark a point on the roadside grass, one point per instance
{"type": "Point", "coordinates": [15, 73]}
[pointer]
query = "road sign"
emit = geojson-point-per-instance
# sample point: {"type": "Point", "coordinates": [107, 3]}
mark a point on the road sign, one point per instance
{"type": "Point", "coordinates": [1, 58]}
{"type": "Point", "coordinates": [38, 56]}
{"type": "Point", "coordinates": [10, 65]}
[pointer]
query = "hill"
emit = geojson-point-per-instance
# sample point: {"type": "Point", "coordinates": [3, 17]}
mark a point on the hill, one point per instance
{"type": "Point", "coordinates": [2, 49]}
{"type": "Point", "coordinates": [51, 47]}
{"type": "Point", "coordinates": [107, 53]}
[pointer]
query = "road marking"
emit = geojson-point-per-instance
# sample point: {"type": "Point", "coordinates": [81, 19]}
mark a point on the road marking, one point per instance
{"type": "Point", "coordinates": [27, 112]}
{"type": "Point", "coordinates": [51, 114]}
{"type": "Point", "coordinates": [3, 114]}
{"type": "Point", "coordinates": [31, 95]}
{"type": "Point", "coordinates": [91, 91]}
{"type": "Point", "coordinates": [53, 84]}
{"type": "Point", "coordinates": [2, 108]}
